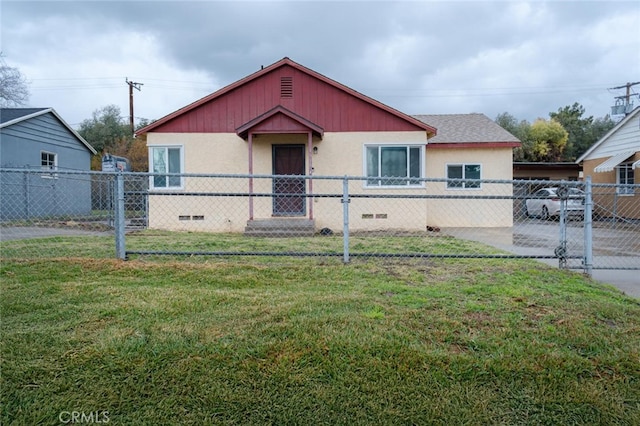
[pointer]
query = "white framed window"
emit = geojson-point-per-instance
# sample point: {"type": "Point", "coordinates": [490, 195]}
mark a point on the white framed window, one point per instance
{"type": "Point", "coordinates": [471, 173]}
{"type": "Point", "coordinates": [382, 162]}
{"type": "Point", "coordinates": [48, 162]}
{"type": "Point", "coordinates": [166, 159]}
{"type": "Point", "coordinates": [625, 176]}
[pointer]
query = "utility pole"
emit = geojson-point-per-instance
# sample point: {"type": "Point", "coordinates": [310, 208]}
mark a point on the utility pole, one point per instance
{"type": "Point", "coordinates": [626, 97]}
{"type": "Point", "coordinates": [132, 85]}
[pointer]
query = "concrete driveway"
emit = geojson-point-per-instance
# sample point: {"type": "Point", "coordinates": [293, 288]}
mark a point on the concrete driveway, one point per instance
{"type": "Point", "coordinates": [627, 281]}
{"type": "Point", "coordinates": [541, 238]}
{"type": "Point", "coordinates": [25, 232]}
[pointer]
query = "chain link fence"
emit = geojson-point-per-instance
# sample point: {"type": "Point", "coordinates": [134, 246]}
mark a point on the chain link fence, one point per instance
{"type": "Point", "coordinates": [574, 225]}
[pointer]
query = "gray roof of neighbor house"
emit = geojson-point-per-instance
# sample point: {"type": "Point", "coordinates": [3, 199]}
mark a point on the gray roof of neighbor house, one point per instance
{"type": "Point", "coordinates": [467, 128]}
{"type": "Point", "coordinates": [11, 116]}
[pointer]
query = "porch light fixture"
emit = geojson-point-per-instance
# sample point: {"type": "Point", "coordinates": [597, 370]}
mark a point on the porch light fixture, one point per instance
{"type": "Point", "coordinates": [315, 149]}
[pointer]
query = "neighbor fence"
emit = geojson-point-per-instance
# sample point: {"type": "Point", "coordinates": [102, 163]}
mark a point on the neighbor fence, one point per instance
{"type": "Point", "coordinates": [139, 215]}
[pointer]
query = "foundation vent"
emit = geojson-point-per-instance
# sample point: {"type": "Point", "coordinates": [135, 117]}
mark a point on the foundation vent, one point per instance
{"type": "Point", "coordinates": [286, 87]}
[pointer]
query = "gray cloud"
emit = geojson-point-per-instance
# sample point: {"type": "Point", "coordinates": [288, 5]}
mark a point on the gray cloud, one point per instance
{"type": "Point", "coordinates": [420, 57]}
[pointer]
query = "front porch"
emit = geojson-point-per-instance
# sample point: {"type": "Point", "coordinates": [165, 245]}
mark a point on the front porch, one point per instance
{"type": "Point", "coordinates": [287, 159]}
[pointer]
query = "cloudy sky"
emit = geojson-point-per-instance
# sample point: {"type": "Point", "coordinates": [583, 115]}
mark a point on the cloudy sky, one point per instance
{"type": "Point", "coordinates": [421, 57]}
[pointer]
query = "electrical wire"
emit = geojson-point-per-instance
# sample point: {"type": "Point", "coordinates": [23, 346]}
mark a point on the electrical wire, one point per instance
{"type": "Point", "coordinates": [88, 83]}
{"type": "Point", "coordinates": [103, 83]}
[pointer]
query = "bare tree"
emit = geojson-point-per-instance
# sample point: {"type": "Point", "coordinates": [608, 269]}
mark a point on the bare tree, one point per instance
{"type": "Point", "coordinates": [14, 90]}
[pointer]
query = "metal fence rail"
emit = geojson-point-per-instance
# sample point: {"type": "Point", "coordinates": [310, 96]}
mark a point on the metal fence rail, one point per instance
{"type": "Point", "coordinates": [583, 226]}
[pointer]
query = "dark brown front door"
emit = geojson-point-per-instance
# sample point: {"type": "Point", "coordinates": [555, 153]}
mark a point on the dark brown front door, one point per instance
{"type": "Point", "coordinates": [288, 192]}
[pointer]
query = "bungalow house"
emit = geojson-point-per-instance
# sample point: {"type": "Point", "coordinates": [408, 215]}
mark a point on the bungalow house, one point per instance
{"type": "Point", "coordinates": [287, 119]}
{"type": "Point", "coordinates": [39, 139]}
{"type": "Point", "coordinates": [615, 159]}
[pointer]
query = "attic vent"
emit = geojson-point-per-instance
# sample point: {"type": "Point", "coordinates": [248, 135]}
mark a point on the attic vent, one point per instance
{"type": "Point", "coordinates": [286, 87]}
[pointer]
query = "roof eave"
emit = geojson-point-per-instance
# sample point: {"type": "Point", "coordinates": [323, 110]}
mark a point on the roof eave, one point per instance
{"type": "Point", "coordinates": [608, 135]}
{"type": "Point", "coordinates": [25, 117]}
{"type": "Point", "coordinates": [64, 123]}
{"type": "Point", "coordinates": [207, 98]}
{"type": "Point", "coordinates": [243, 130]}
{"type": "Point", "coordinates": [460, 145]}
{"type": "Point", "coordinates": [76, 134]}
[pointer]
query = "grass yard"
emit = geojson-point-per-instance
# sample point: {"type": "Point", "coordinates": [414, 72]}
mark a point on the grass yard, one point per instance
{"type": "Point", "coordinates": [312, 341]}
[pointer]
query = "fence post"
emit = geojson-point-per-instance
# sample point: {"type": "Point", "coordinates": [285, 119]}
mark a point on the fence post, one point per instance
{"type": "Point", "coordinates": [561, 250]}
{"type": "Point", "coordinates": [588, 227]}
{"type": "Point", "coordinates": [27, 198]}
{"type": "Point", "coordinates": [119, 219]}
{"type": "Point", "coordinates": [345, 219]}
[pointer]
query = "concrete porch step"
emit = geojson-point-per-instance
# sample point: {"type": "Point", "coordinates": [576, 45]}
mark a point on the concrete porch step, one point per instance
{"type": "Point", "coordinates": [280, 227]}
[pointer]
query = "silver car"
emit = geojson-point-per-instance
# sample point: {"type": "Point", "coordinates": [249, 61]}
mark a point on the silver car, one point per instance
{"type": "Point", "coordinates": [545, 203]}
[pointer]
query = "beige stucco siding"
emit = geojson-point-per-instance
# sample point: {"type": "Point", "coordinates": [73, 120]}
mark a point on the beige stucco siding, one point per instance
{"type": "Point", "coordinates": [338, 154]}
{"type": "Point", "coordinates": [207, 154]}
{"type": "Point", "coordinates": [496, 164]}
{"type": "Point", "coordinates": [342, 154]}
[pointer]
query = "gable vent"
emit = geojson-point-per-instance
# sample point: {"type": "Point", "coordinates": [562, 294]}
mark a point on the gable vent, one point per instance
{"type": "Point", "coordinates": [286, 87]}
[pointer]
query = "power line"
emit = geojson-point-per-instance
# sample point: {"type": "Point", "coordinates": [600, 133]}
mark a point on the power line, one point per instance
{"type": "Point", "coordinates": [419, 92]}
{"type": "Point", "coordinates": [110, 82]}
{"type": "Point", "coordinates": [627, 86]}
{"type": "Point", "coordinates": [623, 108]}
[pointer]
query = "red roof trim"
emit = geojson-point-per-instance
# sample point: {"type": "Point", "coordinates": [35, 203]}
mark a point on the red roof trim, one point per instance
{"type": "Point", "coordinates": [431, 131]}
{"type": "Point", "coordinates": [473, 145]}
{"type": "Point", "coordinates": [243, 130]}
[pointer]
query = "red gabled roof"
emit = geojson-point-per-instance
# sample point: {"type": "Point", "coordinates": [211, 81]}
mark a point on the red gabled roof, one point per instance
{"type": "Point", "coordinates": [316, 99]}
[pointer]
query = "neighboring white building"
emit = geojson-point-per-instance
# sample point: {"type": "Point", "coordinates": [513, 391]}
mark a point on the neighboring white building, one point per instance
{"type": "Point", "coordinates": [615, 159]}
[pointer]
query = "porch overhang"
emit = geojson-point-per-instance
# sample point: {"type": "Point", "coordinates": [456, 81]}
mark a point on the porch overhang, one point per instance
{"type": "Point", "coordinates": [611, 163]}
{"type": "Point", "coordinates": [279, 120]}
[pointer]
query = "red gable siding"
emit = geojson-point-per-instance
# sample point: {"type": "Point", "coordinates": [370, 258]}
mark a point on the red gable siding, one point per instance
{"type": "Point", "coordinates": [280, 122]}
{"type": "Point", "coordinates": [320, 101]}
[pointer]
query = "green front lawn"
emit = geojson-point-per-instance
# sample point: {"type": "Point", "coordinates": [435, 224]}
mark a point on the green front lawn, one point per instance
{"type": "Point", "coordinates": [313, 341]}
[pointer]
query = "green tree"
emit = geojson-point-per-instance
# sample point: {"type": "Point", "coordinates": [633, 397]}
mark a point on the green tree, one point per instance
{"type": "Point", "coordinates": [108, 132]}
{"type": "Point", "coordinates": [599, 128]}
{"type": "Point", "coordinates": [522, 131]}
{"type": "Point", "coordinates": [583, 131]}
{"type": "Point", "coordinates": [105, 129]}
{"type": "Point", "coordinates": [549, 140]}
